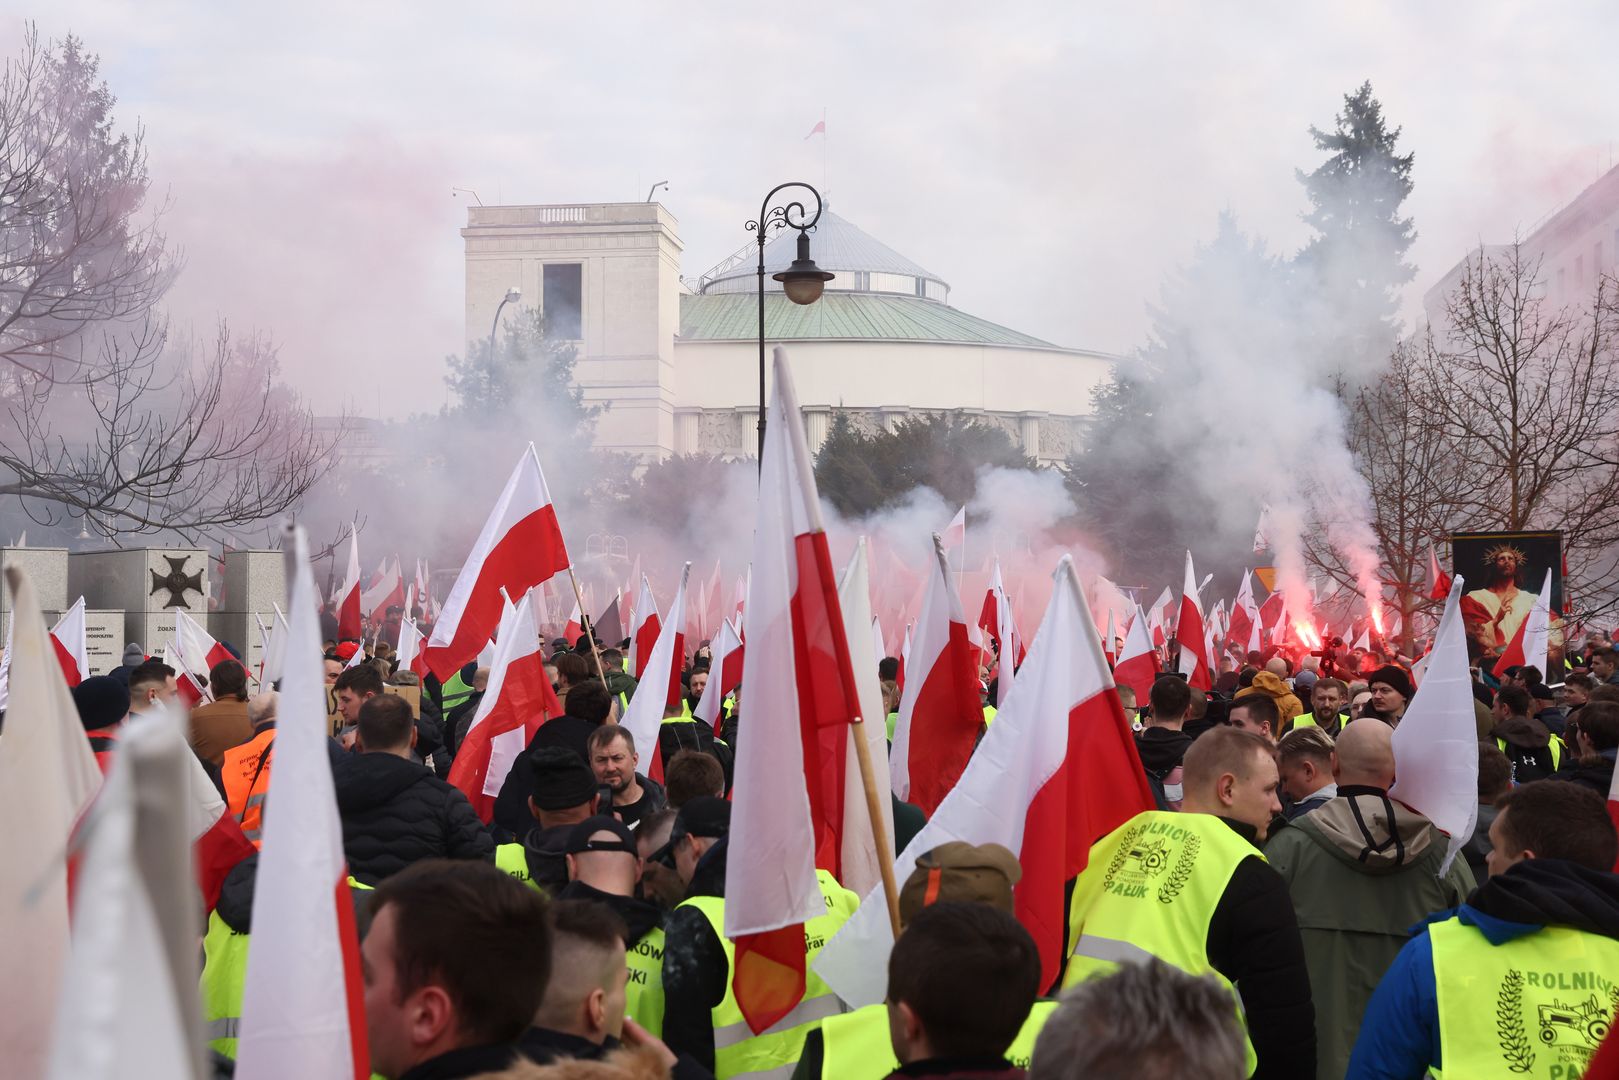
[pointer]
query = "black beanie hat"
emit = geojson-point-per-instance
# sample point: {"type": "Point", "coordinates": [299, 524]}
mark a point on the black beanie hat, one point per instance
{"type": "Point", "coordinates": [102, 701]}
{"type": "Point", "coordinates": [562, 780]}
{"type": "Point", "coordinates": [1394, 677]}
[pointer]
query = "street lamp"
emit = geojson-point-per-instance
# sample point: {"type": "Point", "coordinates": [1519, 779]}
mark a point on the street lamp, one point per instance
{"type": "Point", "coordinates": [513, 295]}
{"type": "Point", "coordinates": [803, 281]}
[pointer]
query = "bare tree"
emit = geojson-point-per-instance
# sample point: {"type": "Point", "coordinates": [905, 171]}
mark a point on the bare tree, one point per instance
{"type": "Point", "coordinates": [109, 421]}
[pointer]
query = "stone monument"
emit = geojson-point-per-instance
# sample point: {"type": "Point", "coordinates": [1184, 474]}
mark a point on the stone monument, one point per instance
{"type": "Point", "coordinates": [255, 581]}
{"type": "Point", "coordinates": [146, 584]}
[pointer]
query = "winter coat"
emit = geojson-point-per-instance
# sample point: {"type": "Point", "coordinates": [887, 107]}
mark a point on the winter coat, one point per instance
{"type": "Point", "coordinates": [1596, 775]}
{"type": "Point", "coordinates": [396, 811]}
{"type": "Point", "coordinates": [617, 1064]}
{"type": "Point", "coordinates": [1161, 750]}
{"type": "Point", "coordinates": [219, 726]}
{"type": "Point", "coordinates": [1361, 870]}
{"type": "Point", "coordinates": [1528, 748]}
{"type": "Point", "coordinates": [1399, 1036]}
{"type": "Point", "coordinates": [1272, 686]}
{"type": "Point", "coordinates": [640, 916]}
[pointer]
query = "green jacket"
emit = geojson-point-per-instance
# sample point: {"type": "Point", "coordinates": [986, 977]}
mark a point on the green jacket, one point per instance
{"type": "Point", "coordinates": [1357, 897]}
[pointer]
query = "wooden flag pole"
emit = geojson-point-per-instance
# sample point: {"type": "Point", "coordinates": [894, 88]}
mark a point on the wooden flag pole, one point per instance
{"type": "Point", "coordinates": [874, 810]}
{"type": "Point", "coordinates": [590, 635]}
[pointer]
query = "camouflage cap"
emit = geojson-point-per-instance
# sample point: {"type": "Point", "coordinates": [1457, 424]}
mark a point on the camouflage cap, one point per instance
{"type": "Point", "coordinates": [958, 871]}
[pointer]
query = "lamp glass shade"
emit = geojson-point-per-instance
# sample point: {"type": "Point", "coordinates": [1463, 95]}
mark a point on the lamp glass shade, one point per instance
{"type": "Point", "coordinates": [802, 290]}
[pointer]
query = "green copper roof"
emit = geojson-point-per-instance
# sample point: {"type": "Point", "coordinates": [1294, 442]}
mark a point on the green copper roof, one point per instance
{"type": "Point", "coordinates": [840, 316]}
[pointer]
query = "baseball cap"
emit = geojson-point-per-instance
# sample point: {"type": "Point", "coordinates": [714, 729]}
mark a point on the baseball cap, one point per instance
{"type": "Point", "coordinates": [958, 871]}
{"type": "Point", "coordinates": [579, 840]}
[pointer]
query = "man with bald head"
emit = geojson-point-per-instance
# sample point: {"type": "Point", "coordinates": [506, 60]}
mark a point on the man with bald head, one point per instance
{"type": "Point", "coordinates": [1362, 869]}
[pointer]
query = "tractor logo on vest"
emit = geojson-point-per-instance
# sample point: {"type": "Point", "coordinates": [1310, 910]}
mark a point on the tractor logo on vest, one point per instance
{"type": "Point", "coordinates": [1137, 864]}
{"type": "Point", "coordinates": [1569, 1029]}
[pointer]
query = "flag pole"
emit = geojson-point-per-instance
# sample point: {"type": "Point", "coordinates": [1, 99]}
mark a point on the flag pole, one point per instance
{"type": "Point", "coordinates": [590, 635]}
{"type": "Point", "coordinates": [874, 810]}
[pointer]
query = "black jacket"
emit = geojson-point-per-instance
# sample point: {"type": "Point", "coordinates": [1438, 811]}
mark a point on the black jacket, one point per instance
{"type": "Point", "coordinates": [1552, 892]}
{"type": "Point", "coordinates": [1527, 748]}
{"type": "Point", "coordinates": [1254, 941]}
{"type": "Point", "coordinates": [511, 819]}
{"type": "Point", "coordinates": [396, 811]}
{"type": "Point", "coordinates": [639, 916]}
{"type": "Point", "coordinates": [1598, 775]}
{"type": "Point", "coordinates": [1161, 750]}
{"type": "Point", "coordinates": [695, 969]}
{"type": "Point", "coordinates": [546, 851]}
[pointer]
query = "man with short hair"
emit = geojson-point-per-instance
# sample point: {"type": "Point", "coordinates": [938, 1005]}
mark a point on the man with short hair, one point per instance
{"type": "Point", "coordinates": [1193, 890]}
{"type": "Point", "coordinates": [1327, 700]}
{"type": "Point", "coordinates": [1595, 748]}
{"type": "Point", "coordinates": [961, 981]}
{"type": "Point", "coordinates": [1494, 781]}
{"type": "Point", "coordinates": [331, 669]}
{"type": "Point", "coordinates": [1517, 980]}
{"type": "Point", "coordinates": [1305, 760]}
{"type": "Point", "coordinates": [604, 866]}
{"type": "Point", "coordinates": [455, 966]}
{"type": "Point", "coordinates": [152, 683]}
{"type": "Point", "coordinates": [1256, 714]}
{"type": "Point", "coordinates": [583, 713]}
{"type": "Point", "coordinates": [701, 1015]}
{"type": "Point", "coordinates": [1391, 693]}
{"type": "Point", "coordinates": [562, 793]}
{"type": "Point", "coordinates": [1530, 748]}
{"type": "Point", "coordinates": [1361, 870]}
{"type": "Point", "coordinates": [613, 759]}
{"type": "Point", "coordinates": [1605, 666]}
{"type": "Point", "coordinates": [1576, 692]}
{"type": "Point", "coordinates": [397, 811]}
{"type": "Point", "coordinates": [691, 773]}
{"type": "Point", "coordinates": [1144, 1020]}
{"type": "Point", "coordinates": [222, 723]}
{"type": "Point", "coordinates": [354, 687]}
{"type": "Point", "coordinates": [1162, 741]}
{"type": "Point", "coordinates": [583, 1012]}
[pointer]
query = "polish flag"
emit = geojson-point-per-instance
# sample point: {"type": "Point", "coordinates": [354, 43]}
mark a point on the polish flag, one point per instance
{"type": "Point", "coordinates": [644, 717]}
{"type": "Point", "coordinates": [388, 590]}
{"type": "Point", "coordinates": [72, 647]}
{"type": "Point", "coordinates": [1436, 744]}
{"type": "Point", "coordinates": [1613, 812]}
{"type": "Point", "coordinates": [939, 712]}
{"type": "Point", "coordinates": [802, 699]}
{"type": "Point", "coordinates": [741, 594]}
{"type": "Point", "coordinates": [1107, 643]}
{"type": "Point", "coordinates": [411, 641]}
{"type": "Point", "coordinates": [904, 655]}
{"type": "Point", "coordinates": [1138, 661]}
{"type": "Point", "coordinates": [861, 866]}
{"type": "Point", "coordinates": [519, 699]}
{"type": "Point", "coordinates": [723, 674]}
{"type": "Point", "coordinates": [129, 991]}
{"type": "Point", "coordinates": [1438, 580]}
{"type": "Point", "coordinates": [1194, 653]}
{"type": "Point", "coordinates": [199, 651]}
{"type": "Point", "coordinates": [955, 538]}
{"type": "Point", "coordinates": [303, 1003]}
{"type": "Point", "coordinates": [574, 628]}
{"type": "Point", "coordinates": [217, 840]}
{"type": "Point", "coordinates": [996, 614]}
{"type": "Point", "coordinates": [1365, 639]}
{"type": "Point", "coordinates": [1108, 597]}
{"type": "Point", "coordinates": [1244, 612]}
{"type": "Point", "coordinates": [644, 632]}
{"type": "Point", "coordinates": [1271, 611]}
{"type": "Point", "coordinates": [542, 610]}
{"type": "Point", "coordinates": [350, 620]}
{"type": "Point", "coordinates": [1529, 641]}
{"type": "Point", "coordinates": [1157, 616]}
{"type": "Point", "coordinates": [48, 777]}
{"type": "Point", "coordinates": [1046, 791]}
{"type": "Point", "coordinates": [520, 547]}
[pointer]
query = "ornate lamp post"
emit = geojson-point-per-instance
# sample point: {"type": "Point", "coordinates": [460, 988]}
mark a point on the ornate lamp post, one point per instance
{"type": "Point", "coordinates": [803, 281]}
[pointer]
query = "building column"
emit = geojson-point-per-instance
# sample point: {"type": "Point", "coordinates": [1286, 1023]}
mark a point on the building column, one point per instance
{"type": "Point", "coordinates": [1029, 432]}
{"type": "Point", "coordinates": [688, 436]}
{"type": "Point", "coordinates": [817, 425]}
{"type": "Point", "coordinates": [892, 415]}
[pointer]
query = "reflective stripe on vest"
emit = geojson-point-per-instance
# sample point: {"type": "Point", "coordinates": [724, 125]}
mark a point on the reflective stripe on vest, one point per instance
{"type": "Point", "coordinates": [857, 1045]}
{"type": "Point", "coordinates": [245, 771]}
{"type": "Point", "coordinates": [1554, 743]}
{"type": "Point", "coordinates": [224, 974]}
{"type": "Point", "coordinates": [774, 1052]}
{"type": "Point", "coordinates": [512, 859]}
{"type": "Point", "coordinates": [1535, 1006]}
{"type": "Point", "coordinates": [643, 994]}
{"type": "Point", "coordinates": [1150, 890]}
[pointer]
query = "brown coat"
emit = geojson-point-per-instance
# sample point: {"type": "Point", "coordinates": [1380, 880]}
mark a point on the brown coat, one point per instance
{"type": "Point", "coordinates": [1272, 686]}
{"type": "Point", "coordinates": [219, 726]}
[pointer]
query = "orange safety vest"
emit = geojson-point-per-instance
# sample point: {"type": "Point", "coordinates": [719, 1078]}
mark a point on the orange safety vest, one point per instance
{"type": "Point", "coordinates": [246, 772]}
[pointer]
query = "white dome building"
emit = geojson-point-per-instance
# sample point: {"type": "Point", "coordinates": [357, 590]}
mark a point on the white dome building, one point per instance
{"type": "Point", "coordinates": [677, 362]}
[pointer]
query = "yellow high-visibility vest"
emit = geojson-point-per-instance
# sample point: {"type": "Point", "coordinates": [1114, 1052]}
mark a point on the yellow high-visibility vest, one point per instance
{"type": "Point", "coordinates": [512, 859]}
{"type": "Point", "coordinates": [857, 1046]}
{"type": "Point", "coordinates": [644, 992]}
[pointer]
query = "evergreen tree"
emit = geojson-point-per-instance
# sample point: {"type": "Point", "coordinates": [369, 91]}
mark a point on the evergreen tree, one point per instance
{"type": "Point", "coordinates": [943, 451]}
{"type": "Point", "coordinates": [843, 471]}
{"type": "Point", "coordinates": [1354, 267]}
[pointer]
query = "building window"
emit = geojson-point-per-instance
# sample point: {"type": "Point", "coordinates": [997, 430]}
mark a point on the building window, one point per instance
{"type": "Point", "coordinates": [564, 293]}
{"type": "Point", "coordinates": [1579, 271]}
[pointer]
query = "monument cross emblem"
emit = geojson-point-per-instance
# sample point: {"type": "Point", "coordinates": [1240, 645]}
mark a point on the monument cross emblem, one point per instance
{"type": "Point", "coordinates": [177, 582]}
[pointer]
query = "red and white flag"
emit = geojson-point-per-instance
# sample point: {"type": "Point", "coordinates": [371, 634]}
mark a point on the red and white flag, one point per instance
{"type": "Point", "coordinates": [48, 777]}
{"type": "Point", "coordinates": [1138, 662]}
{"type": "Point", "coordinates": [644, 717]}
{"type": "Point", "coordinates": [71, 644]}
{"type": "Point", "coordinates": [861, 868]}
{"type": "Point", "coordinates": [801, 700]}
{"type": "Point", "coordinates": [1158, 617]}
{"type": "Point", "coordinates": [955, 539]}
{"type": "Point", "coordinates": [1045, 790]}
{"type": "Point", "coordinates": [940, 713]}
{"type": "Point", "coordinates": [645, 628]}
{"type": "Point", "coordinates": [1263, 529]}
{"type": "Point", "coordinates": [518, 700]}
{"type": "Point", "coordinates": [520, 547]}
{"type": "Point", "coordinates": [996, 617]}
{"type": "Point", "coordinates": [217, 840]}
{"type": "Point", "coordinates": [1190, 636]}
{"type": "Point", "coordinates": [387, 591]}
{"type": "Point", "coordinates": [199, 651]}
{"type": "Point", "coordinates": [904, 655]}
{"type": "Point", "coordinates": [574, 628]}
{"type": "Point", "coordinates": [1244, 613]}
{"type": "Point", "coordinates": [129, 993]}
{"type": "Point", "coordinates": [1436, 744]}
{"type": "Point", "coordinates": [303, 1002]}
{"type": "Point", "coordinates": [724, 674]}
{"type": "Point", "coordinates": [411, 641]}
{"type": "Point", "coordinates": [350, 617]}
{"type": "Point", "coordinates": [1108, 642]}
{"type": "Point", "coordinates": [1438, 580]}
{"type": "Point", "coordinates": [1530, 640]}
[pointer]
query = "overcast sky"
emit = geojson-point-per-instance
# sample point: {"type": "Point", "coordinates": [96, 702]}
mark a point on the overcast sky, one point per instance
{"type": "Point", "coordinates": [1052, 162]}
